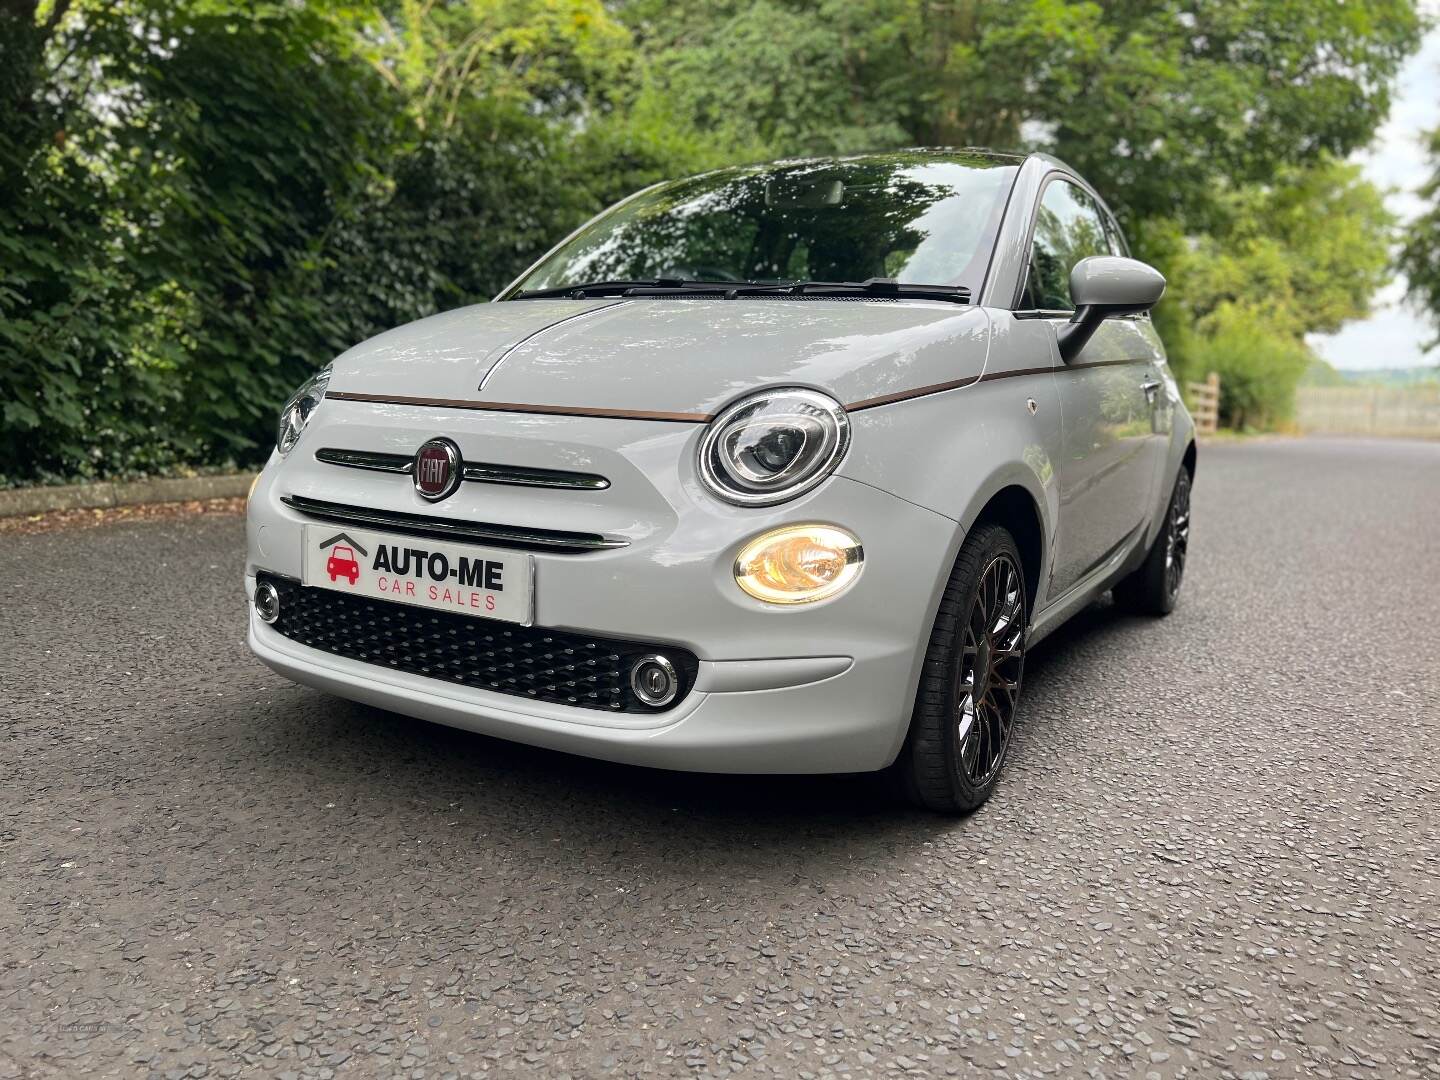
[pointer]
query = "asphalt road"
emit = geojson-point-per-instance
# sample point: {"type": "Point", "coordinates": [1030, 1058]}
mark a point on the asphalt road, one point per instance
{"type": "Point", "coordinates": [1216, 851]}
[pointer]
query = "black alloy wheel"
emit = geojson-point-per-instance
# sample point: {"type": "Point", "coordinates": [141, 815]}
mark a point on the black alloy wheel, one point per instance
{"type": "Point", "coordinates": [966, 705]}
{"type": "Point", "coordinates": [1177, 536]}
{"type": "Point", "coordinates": [992, 660]}
{"type": "Point", "coordinates": [1154, 587]}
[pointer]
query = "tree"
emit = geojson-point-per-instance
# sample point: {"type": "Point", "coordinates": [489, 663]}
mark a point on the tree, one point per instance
{"type": "Point", "coordinates": [1302, 255]}
{"type": "Point", "coordinates": [1162, 104]}
{"type": "Point", "coordinates": [1420, 257]}
{"type": "Point", "coordinates": [264, 134]}
{"type": "Point", "coordinates": [176, 189]}
{"type": "Point", "coordinates": [527, 124]}
{"type": "Point", "coordinates": [202, 200]}
{"type": "Point", "coordinates": [1307, 251]}
{"type": "Point", "coordinates": [53, 295]}
{"type": "Point", "coordinates": [517, 136]}
{"type": "Point", "coordinates": [1212, 131]}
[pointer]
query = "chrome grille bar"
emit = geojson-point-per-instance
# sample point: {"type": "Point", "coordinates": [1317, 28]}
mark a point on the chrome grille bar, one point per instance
{"type": "Point", "coordinates": [478, 471]}
{"type": "Point", "coordinates": [446, 529]}
{"type": "Point", "coordinates": [484, 473]}
{"type": "Point", "coordinates": [365, 459]}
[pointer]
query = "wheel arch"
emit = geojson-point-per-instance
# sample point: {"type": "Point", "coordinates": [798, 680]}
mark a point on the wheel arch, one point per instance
{"type": "Point", "coordinates": [1013, 508]}
{"type": "Point", "coordinates": [1013, 505]}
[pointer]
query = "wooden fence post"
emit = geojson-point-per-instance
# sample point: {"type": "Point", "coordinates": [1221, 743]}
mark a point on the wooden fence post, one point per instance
{"type": "Point", "coordinates": [1205, 403]}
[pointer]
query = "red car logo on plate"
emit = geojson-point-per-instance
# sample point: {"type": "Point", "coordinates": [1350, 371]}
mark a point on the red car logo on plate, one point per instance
{"type": "Point", "coordinates": [437, 469]}
{"type": "Point", "coordinates": [342, 564]}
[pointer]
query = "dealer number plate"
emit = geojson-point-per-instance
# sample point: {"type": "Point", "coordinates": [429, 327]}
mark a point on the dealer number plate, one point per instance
{"type": "Point", "coordinates": [428, 573]}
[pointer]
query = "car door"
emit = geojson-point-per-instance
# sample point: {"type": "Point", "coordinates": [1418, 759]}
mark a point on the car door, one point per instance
{"type": "Point", "coordinates": [1109, 441]}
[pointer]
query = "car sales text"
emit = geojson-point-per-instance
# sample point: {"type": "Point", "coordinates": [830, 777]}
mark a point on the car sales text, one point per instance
{"type": "Point", "coordinates": [395, 564]}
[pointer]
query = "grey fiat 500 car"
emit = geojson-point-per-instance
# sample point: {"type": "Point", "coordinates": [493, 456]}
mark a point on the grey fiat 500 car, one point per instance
{"type": "Point", "coordinates": [776, 469]}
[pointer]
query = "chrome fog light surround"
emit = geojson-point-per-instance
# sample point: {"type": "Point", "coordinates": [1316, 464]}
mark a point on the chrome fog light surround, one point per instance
{"type": "Point", "coordinates": [267, 602]}
{"type": "Point", "coordinates": [654, 681]}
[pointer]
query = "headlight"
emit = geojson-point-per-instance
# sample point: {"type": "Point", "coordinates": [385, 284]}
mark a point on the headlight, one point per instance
{"type": "Point", "coordinates": [799, 564]}
{"type": "Point", "coordinates": [773, 446]}
{"type": "Point", "coordinates": [299, 408]}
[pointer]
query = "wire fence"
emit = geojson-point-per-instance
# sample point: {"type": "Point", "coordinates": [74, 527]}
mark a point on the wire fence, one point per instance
{"type": "Point", "coordinates": [1369, 410]}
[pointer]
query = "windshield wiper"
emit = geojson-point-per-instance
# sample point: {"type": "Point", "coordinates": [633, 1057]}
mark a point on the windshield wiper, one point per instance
{"type": "Point", "coordinates": [880, 287]}
{"type": "Point", "coordinates": [622, 288]}
{"type": "Point", "coordinates": [729, 290]}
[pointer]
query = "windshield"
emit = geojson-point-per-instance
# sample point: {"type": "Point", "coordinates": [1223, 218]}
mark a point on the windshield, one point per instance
{"type": "Point", "coordinates": [914, 218]}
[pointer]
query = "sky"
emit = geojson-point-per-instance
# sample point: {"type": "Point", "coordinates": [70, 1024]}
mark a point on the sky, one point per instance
{"type": "Point", "coordinates": [1393, 335]}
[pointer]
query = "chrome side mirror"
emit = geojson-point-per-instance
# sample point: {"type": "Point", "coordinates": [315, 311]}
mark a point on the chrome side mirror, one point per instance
{"type": "Point", "coordinates": [1105, 285]}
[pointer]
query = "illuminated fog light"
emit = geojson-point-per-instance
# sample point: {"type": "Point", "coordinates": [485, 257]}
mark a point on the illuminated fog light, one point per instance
{"type": "Point", "coordinates": [267, 602]}
{"type": "Point", "coordinates": [799, 564]}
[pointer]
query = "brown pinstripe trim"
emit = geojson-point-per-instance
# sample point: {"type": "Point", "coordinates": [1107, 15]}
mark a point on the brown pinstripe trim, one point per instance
{"type": "Point", "coordinates": [906, 395]}
{"type": "Point", "coordinates": [701, 418]}
{"type": "Point", "coordinates": [515, 407]}
{"type": "Point", "coordinates": [993, 376]}
{"type": "Point", "coordinates": [1099, 363]}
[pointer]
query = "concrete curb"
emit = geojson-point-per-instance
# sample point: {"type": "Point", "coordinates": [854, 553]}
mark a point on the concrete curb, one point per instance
{"type": "Point", "coordinates": [40, 500]}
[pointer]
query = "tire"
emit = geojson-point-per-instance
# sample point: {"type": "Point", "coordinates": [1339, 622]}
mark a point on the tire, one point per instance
{"type": "Point", "coordinates": [1153, 588]}
{"type": "Point", "coordinates": [955, 751]}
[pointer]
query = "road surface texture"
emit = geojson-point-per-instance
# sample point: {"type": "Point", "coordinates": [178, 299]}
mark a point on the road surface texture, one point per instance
{"type": "Point", "coordinates": [1216, 851]}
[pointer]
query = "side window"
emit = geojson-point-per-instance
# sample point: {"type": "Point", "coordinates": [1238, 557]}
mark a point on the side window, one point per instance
{"type": "Point", "coordinates": [1112, 233]}
{"type": "Point", "coordinates": [1068, 227]}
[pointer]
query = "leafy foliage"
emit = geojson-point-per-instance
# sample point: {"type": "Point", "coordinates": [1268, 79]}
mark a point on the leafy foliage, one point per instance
{"type": "Point", "coordinates": [1420, 258]}
{"type": "Point", "coordinates": [1213, 132]}
{"type": "Point", "coordinates": [202, 200]}
{"type": "Point", "coordinates": [1161, 104]}
{"type": "Point", "coordinates": [54, 241]}
{"type": "Point", "coordinates": [177, 209]}
{"type": "Point", "coordinates": [1258, 368]}
{"type": "Point", "coordinates": [1302, 255]}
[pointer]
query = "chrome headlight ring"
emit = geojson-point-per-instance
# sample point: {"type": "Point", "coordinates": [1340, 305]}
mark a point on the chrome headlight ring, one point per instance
{"type": "Point", "coordinates": [774, 445]}
{"type": "Point", "coordinates": [298, 410]}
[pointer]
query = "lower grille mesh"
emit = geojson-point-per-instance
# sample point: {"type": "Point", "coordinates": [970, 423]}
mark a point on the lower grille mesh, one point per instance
{"type": "Point", "coordinates": [525, 661]}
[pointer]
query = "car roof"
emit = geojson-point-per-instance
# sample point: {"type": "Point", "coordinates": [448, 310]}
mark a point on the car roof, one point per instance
{"type": "Point", "coordinates": [1000, 157]}
{"type": "Point", "coordinates": [972, 156]}
{"type": "Point", "coordinates": [962, 155]}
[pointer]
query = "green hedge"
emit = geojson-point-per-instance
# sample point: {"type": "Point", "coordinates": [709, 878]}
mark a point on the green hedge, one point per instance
{"type": "Point", "coordinates": [251, 196]}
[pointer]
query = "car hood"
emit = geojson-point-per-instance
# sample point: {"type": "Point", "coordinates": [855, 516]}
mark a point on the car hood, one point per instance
{"type": "Point", "coordinates": [681, 356]}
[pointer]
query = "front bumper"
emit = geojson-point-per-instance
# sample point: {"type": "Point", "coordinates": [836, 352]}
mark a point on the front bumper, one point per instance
{"type": "Point", "coordinates": [838, 720]}
{"type": "Point", "coordinates": [818, 688]}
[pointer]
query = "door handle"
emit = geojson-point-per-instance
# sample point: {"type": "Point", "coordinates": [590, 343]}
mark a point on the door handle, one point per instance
{"type": "Point", "coordinates": [1150, 386]}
